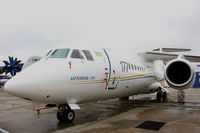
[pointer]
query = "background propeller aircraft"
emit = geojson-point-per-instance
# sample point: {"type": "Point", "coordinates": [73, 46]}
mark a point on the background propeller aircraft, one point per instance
{"type": "Point", "coordinates": [10, 68]}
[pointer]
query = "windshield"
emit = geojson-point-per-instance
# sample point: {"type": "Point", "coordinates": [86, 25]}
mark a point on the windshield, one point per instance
{"type": "Point", "coordinates": [59, 53]}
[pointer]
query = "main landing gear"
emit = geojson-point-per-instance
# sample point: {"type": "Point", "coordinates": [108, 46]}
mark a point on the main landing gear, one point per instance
{"type": "Point", "coordinates": [181, 96]}
{"type": "Point", "coordinates": [123, 98]}
{"type": "Point", "coordinates": [161, 95]}
{"type": "Point", "coordinates": [65, 114]}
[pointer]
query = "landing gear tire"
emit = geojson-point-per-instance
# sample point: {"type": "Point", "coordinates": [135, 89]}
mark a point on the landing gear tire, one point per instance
{"type": "Point", "coordinates": [164, 96]}
{"type": "Point", "coordinates": [181, 96]}
{"type": "Point", "coordinates": [65, 115]}
{"type": "Point", "coordinates": [159, 96]}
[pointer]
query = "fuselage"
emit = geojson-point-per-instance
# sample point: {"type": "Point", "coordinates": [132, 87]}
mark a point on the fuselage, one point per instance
{"type": "Point", "coordinates": [76, 75]}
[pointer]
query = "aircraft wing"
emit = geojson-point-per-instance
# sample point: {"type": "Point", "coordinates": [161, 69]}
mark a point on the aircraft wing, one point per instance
{"type": "Point", "coordinates": [151, 56]}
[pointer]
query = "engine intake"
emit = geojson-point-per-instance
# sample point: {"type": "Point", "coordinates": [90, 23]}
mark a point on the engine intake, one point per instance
{"type": "Point", "coordinates": [179, 74]}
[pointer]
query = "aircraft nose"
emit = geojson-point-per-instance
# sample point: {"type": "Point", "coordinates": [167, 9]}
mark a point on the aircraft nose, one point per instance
{"type": "Point", "coordinates": [26, 84]}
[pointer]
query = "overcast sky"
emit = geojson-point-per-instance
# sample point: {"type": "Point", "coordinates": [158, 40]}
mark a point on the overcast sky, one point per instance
{"type": "Point", "coordinates": [28, 27]}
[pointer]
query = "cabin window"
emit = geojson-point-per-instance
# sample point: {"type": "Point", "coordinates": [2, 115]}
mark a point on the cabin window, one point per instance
{"type": "Point", "coordinates": [88, 55]}
{"type": "Point", "coordinates": [76, 54]}
{"type": "Point", "coordinates": [59, 53]}
{"type": "Point", "coordinates": [135, 67]}
{"type": "Point", "coordinates": [129, 66]}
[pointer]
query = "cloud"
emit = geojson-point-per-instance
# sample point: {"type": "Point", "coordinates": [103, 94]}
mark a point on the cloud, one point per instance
{"type": "Point", "coordinates": [30, 27]}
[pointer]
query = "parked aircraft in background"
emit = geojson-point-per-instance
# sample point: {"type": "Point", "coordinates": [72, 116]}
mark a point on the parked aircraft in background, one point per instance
{"type": "Point", "coordinates": [72, 73]}
{"type": "Point", "coordinates": [197, 76]}
{"type": "Point", "coordinates": [10, 68]}
{"type": "Point", "coordinates": [4, 79]}
{"type": "Point", "coordinates": [31, 60]}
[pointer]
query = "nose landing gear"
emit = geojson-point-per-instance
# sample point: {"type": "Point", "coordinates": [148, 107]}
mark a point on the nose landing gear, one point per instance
{"type": "Point", "coordinates": [65, 114]}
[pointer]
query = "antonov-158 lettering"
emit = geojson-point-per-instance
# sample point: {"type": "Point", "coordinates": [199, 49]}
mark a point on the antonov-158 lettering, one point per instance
{"type": "Point", "coordinates": [71, 74]}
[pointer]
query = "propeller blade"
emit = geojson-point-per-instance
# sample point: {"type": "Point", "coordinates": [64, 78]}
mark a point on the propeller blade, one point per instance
{"type": "Point", "coordinates": [12, 61]}
{"type": "Point", "coordinates": [18, 62]}
{"type": "Point", "coordinates": [18, 69]}
{"type": "Point", "coordinates": [15, 60]}
{"type": "Point", "coordinates": [12, 66]}
{"type": "Point", "coordinates": [12, 72]}
{"type": "Point", "coordinates": [6, 62]}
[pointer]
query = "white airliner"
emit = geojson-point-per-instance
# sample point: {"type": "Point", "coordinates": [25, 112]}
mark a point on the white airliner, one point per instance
{"type": "Point", "coordinates": [71, 74]}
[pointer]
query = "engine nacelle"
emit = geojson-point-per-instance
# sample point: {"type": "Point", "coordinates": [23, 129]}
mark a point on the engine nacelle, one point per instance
{"type": "Point", "coordinates": [179, 74]}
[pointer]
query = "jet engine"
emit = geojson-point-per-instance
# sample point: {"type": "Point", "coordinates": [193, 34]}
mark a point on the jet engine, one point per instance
{"type": "Point", "coordinates": [179, 74]}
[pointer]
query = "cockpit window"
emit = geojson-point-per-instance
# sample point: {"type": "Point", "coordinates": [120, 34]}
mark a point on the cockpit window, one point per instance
{"type": "Point", "coordinates": [59, 53]}
{"type": "Point", "coordinates": [88, 55]}
{"type": "Point", "coordinates": [76, 54]}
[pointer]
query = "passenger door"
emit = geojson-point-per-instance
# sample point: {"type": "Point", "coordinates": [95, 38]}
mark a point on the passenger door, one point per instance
{"type": "Point", "coordinates": [112, 72]}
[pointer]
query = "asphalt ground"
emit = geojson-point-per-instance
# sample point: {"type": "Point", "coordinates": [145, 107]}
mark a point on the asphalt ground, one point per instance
{"type": "Point", "coordinates": [18, 115]}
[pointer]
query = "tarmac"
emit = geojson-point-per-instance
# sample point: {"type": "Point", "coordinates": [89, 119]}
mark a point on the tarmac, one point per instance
{"type": "Point", "coordinates": [18, 116]}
